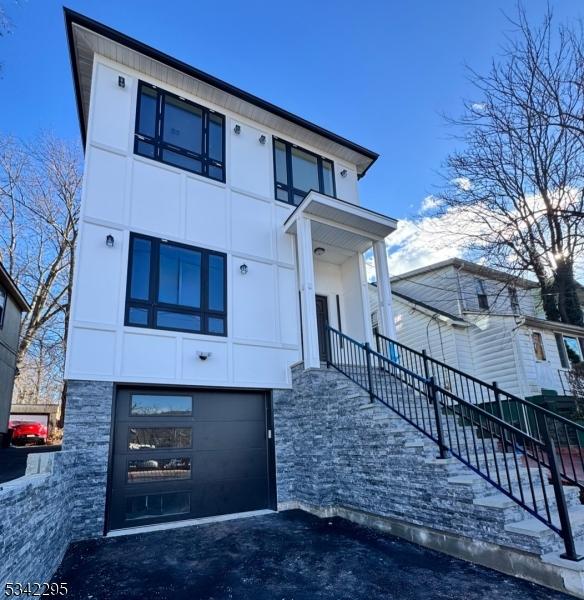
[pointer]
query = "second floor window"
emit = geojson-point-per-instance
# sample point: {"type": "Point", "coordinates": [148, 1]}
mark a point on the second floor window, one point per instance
{"type": "Point", "coordinates": [177, 132]}
{"type": "Point", "coordinates": [538, 347]}
{"type": "Point", "coordinates": [297, 171]}
{"type": "Point", "coordinates": [177, 287]}
{"type": "Point", "coordinates": [482, 299]}
{"type": "Point", "coordinates": [514, 301]}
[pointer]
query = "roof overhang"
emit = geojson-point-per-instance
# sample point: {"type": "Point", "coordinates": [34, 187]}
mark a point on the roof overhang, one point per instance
{"type": "Point", "coordinates": [555, 326]}
{"type": "Point", "coordinates": [12, 289]}
{"type": "Point", "coordinates": [87, 37]}
{"type": "Point", "coordinates": [339, 223]}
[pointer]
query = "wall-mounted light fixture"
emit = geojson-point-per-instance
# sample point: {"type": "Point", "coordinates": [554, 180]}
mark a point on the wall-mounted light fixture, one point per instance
{"type": "Point", "coordinates": [344, 173]}
{"type": "Point", "coordinates": [262, 139]}
{"type": "Point", "coordinates": [109, 240]}
{"type": "Point", "coordinates": [237, 129]}
{"type": "Point", "coordinates": [121, 81]}
{"type": "Point", "coordinates": [204, 355]}
{"type": "Point", "coordinates": [319, 251]}
{"type": "Point", "coordinates": [243, 269]}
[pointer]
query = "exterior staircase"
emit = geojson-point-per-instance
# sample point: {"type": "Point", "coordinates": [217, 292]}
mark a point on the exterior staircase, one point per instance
{"type": "Point", "coordinates": [437, 456]}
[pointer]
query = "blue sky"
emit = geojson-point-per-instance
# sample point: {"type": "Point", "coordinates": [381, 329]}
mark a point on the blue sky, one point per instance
{"type": "Point", "coordinates": [380, 73]}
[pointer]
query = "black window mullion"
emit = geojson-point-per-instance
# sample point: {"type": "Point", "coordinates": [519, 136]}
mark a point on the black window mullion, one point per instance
{"type": "Point", "coordinates": [290, 176]}
{"type": "Point", "coordinates": [320, 174]}
{"type": "Point", "coordinates": [154, 281]}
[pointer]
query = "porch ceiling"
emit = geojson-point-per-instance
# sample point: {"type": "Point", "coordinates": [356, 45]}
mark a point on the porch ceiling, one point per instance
{"type": "Point", "coordinates": [340, 224]}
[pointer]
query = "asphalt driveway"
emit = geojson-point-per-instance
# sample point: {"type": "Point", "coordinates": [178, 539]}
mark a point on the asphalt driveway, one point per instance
{"type": "Point", "coordinates": [283, 556]}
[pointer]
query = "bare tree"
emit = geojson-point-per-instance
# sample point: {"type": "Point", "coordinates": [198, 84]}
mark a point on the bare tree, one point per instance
{"type": "Point", "coordinates": [39, 212]}
{"type": "Point", "coordinates": [520, 175]}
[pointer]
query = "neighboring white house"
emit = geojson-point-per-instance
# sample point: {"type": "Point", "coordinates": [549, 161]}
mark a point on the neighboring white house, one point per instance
{"type": "Point", "coordinates": [218, 234]}
{"type": "Point", "coordinates": [474, 319]}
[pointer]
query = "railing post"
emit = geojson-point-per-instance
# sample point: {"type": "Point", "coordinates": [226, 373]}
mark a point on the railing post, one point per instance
{"type": "Point", "coordinates": [498, 401]}
{"type": "Point", "coordinates": [328, 345]}
{"type": "Point", "coordinates": [433, 398]}
{"type": "Point", "coordinates": [369, 374]}
{"type": "Point", "coordinates": [426, 364]}
{"type": "Point", "coordinates": [563, 514]}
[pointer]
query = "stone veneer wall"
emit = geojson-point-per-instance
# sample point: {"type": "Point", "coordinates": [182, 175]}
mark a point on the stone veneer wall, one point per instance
{"type": "Point", "coordinates": [62, 496]}
{"type": "Point", "coordinates": [334, 449]}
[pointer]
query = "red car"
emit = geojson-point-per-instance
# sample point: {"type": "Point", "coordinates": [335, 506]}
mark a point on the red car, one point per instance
{"type": "Point", "coordinates": [25, 432]}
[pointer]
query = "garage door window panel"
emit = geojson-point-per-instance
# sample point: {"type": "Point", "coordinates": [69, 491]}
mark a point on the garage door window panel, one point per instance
{"type": "Point", "coordinates": [160, 405]}
{"type": "Point", "coordinates": [159, 469]}
{"type": "Point", "coordinates": [155, 438]}
{"type": "Point", "coordinates": [157, 505]}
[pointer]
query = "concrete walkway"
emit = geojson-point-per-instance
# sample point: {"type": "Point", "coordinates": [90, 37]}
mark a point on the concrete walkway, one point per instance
{"type": "Point", "coordinates": [280, 556]}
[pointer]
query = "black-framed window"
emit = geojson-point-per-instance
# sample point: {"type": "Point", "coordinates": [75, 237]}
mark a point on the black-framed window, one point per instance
{"type": "Point", "coordinates": [2, 305]}
{"type": "Point", "coordinates": [176, 287]}
{"type": "Point", "coordinates": [180, 133]}
{"type": "Point", "coordinates": [297, 171]}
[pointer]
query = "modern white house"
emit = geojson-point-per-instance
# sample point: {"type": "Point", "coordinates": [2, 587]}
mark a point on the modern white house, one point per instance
{"type": "Point", "coordinates": [478, 320]}
{"type": "Point", "coordinates": [218, 234]}
{"type": "Point", "coordinates": [220, 357]}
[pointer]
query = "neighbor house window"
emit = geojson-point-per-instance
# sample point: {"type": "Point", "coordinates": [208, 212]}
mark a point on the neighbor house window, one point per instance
{"type": "Point", "coordinates": [180, 133]}
{"type": "Point", "coordinates": [573, 348]}
{"type": "Point", "coordinates": [2, 305]}
{"type": "Point", "coordinates": [177, 287]}
{"type": "Point", "coordinates": [481, 294]}
{"type": "Point", "coordinates": [538, 348]}
{"type": "Point", "coordinates": [514, 301]}
{"type": "Point", "coordinates": [297, 171]}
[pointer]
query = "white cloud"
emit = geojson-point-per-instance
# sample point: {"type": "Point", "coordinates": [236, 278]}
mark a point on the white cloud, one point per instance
{"type": "Point", "coordinates": [463, 183]}
{"type": "Point", "coordinates": [429, 203]}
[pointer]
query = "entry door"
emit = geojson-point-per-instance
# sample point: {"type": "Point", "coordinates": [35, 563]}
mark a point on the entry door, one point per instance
{"type": "Point", "coordinates": [185, 454]}
{"type": "Point", "coordinates": [321, 322]}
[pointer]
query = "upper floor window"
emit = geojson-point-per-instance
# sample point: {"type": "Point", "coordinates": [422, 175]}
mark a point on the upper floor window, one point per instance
{"type": "Point", "coordinates": [482, 298]}
{"type": "Point", "coordinates": [177, 132]}
{"type": "Point", "coordinates": [297, 171]}
{"type": "Point", "coordinates": [177, 287]}
{"type": "Point", "coordinates": [538, 347]}
{"type": "Point", "coordinates": [514, 301]}
{"type": "Point", "coordinates": [2, 305]}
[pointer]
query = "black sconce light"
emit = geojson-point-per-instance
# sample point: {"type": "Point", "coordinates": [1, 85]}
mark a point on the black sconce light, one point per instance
{"type": "Point", "coordinates": [237, 129]}
{"type": "Point", "coordinates": [344, 173]}
{"type": "Point", "coordinates": [243, 269]}
{"type": "Point", "coordinates": [262, 139]}
{"type": "Point", "coordinates": [109, 240]}
{"type": "Point", "coordinates": [121, 81]}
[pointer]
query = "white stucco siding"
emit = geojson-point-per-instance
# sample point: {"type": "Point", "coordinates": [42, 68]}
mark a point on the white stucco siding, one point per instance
{"type": "Point", "coordinates": [125, 193]}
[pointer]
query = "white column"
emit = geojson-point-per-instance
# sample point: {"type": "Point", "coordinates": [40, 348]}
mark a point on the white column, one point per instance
{"type": "Point", "coordinates": [367, 325]}
{"type": "Point", "coordinates": [386, 321]}
{"type": "Point", "coordinates": [307, 293]}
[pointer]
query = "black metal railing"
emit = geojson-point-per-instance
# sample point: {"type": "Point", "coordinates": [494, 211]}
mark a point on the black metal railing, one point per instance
{"type": "Point", "coordinates": [567, 436]}
{"type": "Point", "coordinates": [524, 467]}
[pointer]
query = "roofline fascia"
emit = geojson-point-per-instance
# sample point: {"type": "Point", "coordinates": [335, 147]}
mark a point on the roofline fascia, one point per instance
{"type": "Point", "coordinates": [72, 17]}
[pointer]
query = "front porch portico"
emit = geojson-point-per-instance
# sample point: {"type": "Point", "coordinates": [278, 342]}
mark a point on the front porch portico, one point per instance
{"type": "Point", "coordinates": [331, 238]}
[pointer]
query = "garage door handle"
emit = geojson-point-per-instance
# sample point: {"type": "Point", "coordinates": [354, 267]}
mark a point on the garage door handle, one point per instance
{"type": "Point", "coordinates": [269, 434]}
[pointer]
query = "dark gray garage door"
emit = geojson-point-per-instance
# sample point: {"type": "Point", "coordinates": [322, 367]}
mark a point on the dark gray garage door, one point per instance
{"type": "Point", "coordinates": [188, 454]}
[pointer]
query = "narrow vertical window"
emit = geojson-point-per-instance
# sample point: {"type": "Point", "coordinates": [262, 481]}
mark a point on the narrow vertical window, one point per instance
{"type": "Point", "coordinates": [482, 298]}
{"type": "Point", "coordinates": [538, 348]}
